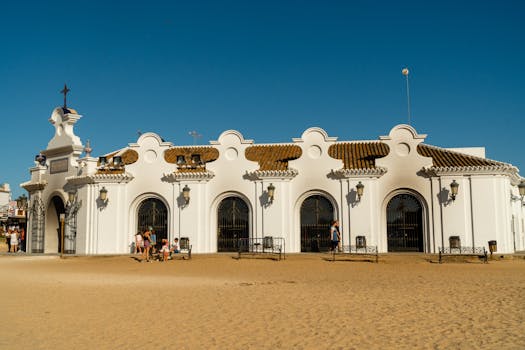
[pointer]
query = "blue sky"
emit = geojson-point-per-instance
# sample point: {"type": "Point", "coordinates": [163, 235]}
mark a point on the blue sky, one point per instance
{"type": "Point", "coordinates": [270, 69]}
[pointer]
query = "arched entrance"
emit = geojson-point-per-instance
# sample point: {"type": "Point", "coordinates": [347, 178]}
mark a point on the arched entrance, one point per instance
{"type": "Point", "coordinates": [317, 212]}
{"type": "Point", "coordinates": [153, 213]}
{"type": "Point", "coordinates": [52, 235]}
{"type": "Point", "coordinates": [404, 214]}
{"type": "Point", "coordinates": [233, 222]}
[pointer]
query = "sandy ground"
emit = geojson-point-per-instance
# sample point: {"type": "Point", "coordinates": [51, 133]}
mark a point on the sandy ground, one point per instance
{"type": "Point", "coordinates": [303, 302]}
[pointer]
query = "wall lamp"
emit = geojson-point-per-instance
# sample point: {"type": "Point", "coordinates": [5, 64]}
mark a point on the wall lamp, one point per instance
{"type": "Point", "coordinates": [454, 187]}
{"type": "Point", "coordinates": [271, 192]}
{"type": "Point", "coordinates": [521, 189]}
{"type": "Point", "coordinates": [103, 194]}
{"type": "Point", "coordinates": [360, 188]}
{"type": "Point", "coordinates": [186, 194]}
{"type": "Point", "coordinates": [71, 196]}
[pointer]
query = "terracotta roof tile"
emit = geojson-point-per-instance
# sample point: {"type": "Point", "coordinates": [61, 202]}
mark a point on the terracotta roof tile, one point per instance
{"type": "Point", "coordinates": [358, 155]}
{"type": "Point", "coordinates": [273, 157]}
{"type": "Point", "coordinates": [446, 158]}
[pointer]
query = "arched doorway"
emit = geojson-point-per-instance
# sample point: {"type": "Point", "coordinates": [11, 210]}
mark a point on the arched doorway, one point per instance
{"type": "Point", "coordinates": [52, 237]}
{"type": "Point", "coordinates": [317, 212]}
{"type": "Point", "coordinates": [404, 214]}
{"type": "Point", "coordinates": [153, 213]}
{"type": "Point", "coordinates": [233, 222]}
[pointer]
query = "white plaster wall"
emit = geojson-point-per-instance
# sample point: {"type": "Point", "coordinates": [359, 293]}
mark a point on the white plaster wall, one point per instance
{"type": "Point", "coordinates": [314, 177]}
{"type": "Point", "coordinates": [482, 210]}
{"type": "Point", "coordinates": [489, 222]}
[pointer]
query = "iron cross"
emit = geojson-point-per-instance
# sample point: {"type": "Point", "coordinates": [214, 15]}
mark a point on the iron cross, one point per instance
{"type": "Point", "coordinates": [65, 91]}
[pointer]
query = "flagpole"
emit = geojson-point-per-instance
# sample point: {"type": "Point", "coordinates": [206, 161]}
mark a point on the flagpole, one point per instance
{"type": "Point", "coordinates": [405, 73]}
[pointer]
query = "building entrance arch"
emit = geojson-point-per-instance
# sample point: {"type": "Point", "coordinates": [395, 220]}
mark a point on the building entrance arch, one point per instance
{"type": "Point", "coordinates": [52, 236]}
{"type": "Point", "coordinates": [233, 222]}
{"type": "Point", "coordinates": [405, 224]}
{"type": "Point", "coordinates": [152, 212]}
{"type": "Point", "coordinates": [317, 212]}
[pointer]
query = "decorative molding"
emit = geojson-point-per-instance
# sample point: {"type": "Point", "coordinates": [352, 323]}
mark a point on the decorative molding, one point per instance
{"type": "Point", "coordinates": [400, 128]}
{"type": "Point", "coordinates": [312, 130]}
{"type": "Point", "coordinates": [356, 173]}
{"type": "Point", "coordinates": [152, 135]}
{"type": "Point", "coordinates": [60, 151]}
{"type": "Point", "coordinates": [235, 133]}
{"type": "Point", "coordinates": [273, 174]}
{"type": "Point", "coordinates": [98, 178]}
{"type": "Point", "coordinates": [192, 176]}
{"type": "Point", "coordinates": [33, 186]}
{"type": "Point", "coordinates": [502, 169]}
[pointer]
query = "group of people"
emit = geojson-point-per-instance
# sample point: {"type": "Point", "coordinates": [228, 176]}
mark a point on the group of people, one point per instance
{"type": "Point", "coordinates": [15, 238]}
{"type": "Point", "coordinates": [146, 244]}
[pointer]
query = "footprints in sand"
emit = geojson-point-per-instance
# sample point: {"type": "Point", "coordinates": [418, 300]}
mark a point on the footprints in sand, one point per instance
{"type": "Point", "coordinates": [248, 284]}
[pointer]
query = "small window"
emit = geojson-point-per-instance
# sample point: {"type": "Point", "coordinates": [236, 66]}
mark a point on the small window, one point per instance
{"type": "Point", "coordinates": [180, 160]}
{"type": "Point", "coordinates": [196, 158]}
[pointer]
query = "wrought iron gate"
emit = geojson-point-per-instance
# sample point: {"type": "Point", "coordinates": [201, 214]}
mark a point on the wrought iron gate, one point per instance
{"type": "Point", "coordinates": [316, 215]}
{"type": "Point", "coordinates": [70, 227]}
{"type": "Point", "coordinates": [233, 223]}
{"type": "Point", "coordinates": [404, 224]}
{"type": "Point", "coordinates": [37, 217]}
{"type": "Point", "coordinates": [153, 213]}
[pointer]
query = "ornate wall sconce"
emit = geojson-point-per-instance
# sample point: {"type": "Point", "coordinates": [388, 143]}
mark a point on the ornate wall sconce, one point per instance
{"type": "Point", "coordinates": [521, 189]}
{"type": "Point", "coordinates": [186, 194]}
{"type": "Point", "coordinates": [103, 195]}
{"type": "Point", "coordinates": [71, 196]}
{"type": "Point", "coordinates": [360, 188]}
{"type": "Point", "coordinates": [454, 187]}
{"type": "Point", "coordinates": [271, 192]}
{"type": "Point", "coordinates": [72, 205]}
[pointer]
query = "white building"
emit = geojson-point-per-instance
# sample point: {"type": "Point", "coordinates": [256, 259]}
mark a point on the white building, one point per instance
{"type": "Point", "coordinates": [406, 204]}
{"type": "Point", "coordinates": [5, 198]}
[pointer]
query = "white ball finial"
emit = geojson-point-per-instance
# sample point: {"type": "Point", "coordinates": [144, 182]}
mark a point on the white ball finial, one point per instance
{"type": "Point", "coordinates": [405, 71]}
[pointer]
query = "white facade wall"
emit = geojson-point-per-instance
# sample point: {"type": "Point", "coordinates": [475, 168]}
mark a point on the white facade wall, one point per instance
{"type": "Point", "coordinates": [485, 208]}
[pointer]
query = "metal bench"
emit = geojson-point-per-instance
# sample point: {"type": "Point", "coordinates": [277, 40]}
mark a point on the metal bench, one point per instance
{"type": "Point", "coordinates": [350, 251]}
{"type": "Point", "coordinates": [268, 245]}
{"type": "Point", "coordinates": [459, 251]}
{"type": "Point", "coordinates": [359, 249]}
{"type": "Point", "coordinates": [184, 249]}
{"type": "Point", "coordinates": [183, 254]}
{"type": "Point", "coordinates": [456, 250]}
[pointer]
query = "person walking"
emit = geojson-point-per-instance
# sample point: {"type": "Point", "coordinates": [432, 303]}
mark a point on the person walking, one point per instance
{"type": "Point", "coordinates": [335, 236]}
